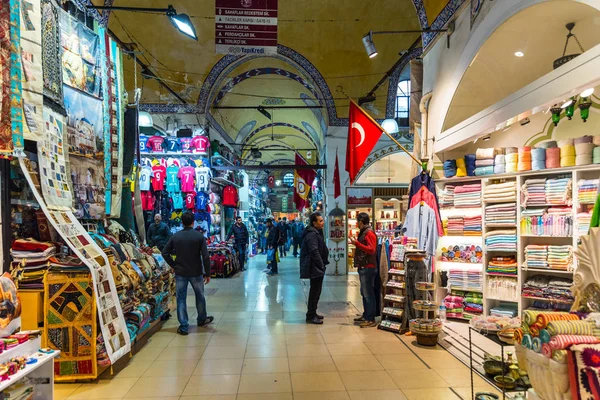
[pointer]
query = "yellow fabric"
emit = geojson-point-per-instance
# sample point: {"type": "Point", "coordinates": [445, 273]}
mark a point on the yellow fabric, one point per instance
{"type": "Point", "coordinates": [461, 168]}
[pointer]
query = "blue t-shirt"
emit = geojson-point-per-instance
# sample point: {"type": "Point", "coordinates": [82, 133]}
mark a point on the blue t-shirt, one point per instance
{"type": "Point", "coordinates": [173, 184]}
{"type": "Point", "coordinates": [201, 201]}
{"type": "Point", "coordinates": [144, 144]}
{"type": "Point", "coordinates": [171, 144]}
{"type": "Point", "coordinates": [177, 201]}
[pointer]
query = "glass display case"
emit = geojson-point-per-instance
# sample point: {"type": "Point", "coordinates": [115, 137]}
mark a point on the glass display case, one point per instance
{"type": "Point", "coordinates": [389, 214]}
{"type": "Point", "coordinates": [357, 201]}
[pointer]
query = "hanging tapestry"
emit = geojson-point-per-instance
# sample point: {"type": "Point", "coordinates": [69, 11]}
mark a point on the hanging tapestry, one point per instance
{"type": "Point", "coordinates": [70, 324]}
{"type": "Point", "coordinates": [6, 147]}
{"type": "Point", "coordinates": [110, 314]}
{"type": "Point", "coordinates": [107, 102]}
{"type": "Point", "coordinates": [117, 115]}
{"type": "Point", "coordinates": [52, 158]}
{"type": "Point", "coordinates": [80, 55]}
{"type": "Point", "coordinates": [88, 187]}
{"type": "Point", "coordinates": [51, 58]}
{"type": "Point", "coordinates": [31, 62]}
{"type": "Point", "coordinates": [16, 108]}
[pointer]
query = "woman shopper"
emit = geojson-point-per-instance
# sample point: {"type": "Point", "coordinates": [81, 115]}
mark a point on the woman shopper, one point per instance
{"type": "Point", "coordinates": [314, 256]}
{"type": "Point", "coordinates": [366, 262]}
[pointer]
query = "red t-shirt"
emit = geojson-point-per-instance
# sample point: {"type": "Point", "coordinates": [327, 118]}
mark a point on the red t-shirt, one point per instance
{"type": "Point", "coordinates": [186, 174]}
{"type": "Point", "coordinates": [190, 200]}
{"type": "Point", "coordinates": [200, 144]}
{"type": "Point", "coordinates": [159, 174]}
{"type": "Point", "coordinates": [147, 200]}
{"type": "Point", "coordinates": [186, 144]}
{"type": "Point", "coordinates": [230, 196]}
{"type": "Point", "coordinates": [155, 143]}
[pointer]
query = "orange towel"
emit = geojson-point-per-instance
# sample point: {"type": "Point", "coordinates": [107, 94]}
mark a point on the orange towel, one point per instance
{"type": "Point", "coordinates": [544, 318]}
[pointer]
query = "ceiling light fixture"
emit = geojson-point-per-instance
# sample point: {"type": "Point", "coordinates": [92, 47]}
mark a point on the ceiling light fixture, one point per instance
{"type": "Point", "coordinates": [519, 54]}
{"type": "Point", "coordinates": [585, 103]}
{"type": "Point", "coordinates": [587, 92]}
{"type": "Point", "coordinates": [264, 189]}
{"type": "Point", "coordinates": [485, 139]}
{"type": "Point", "coordinates": [390, 125]}
{"type": "Point", "coordinates": [182, 22]}
{"type": "Point", "coordinates": [569, 107]}
{"type": "Point", "coordinates": [565, 58]}
{"type": "Point", "coordinates": [145, 120]}
{"type": "Point", "coordinates": [370, 45]}
{"type": "Point", "coordinates": [556, 110]}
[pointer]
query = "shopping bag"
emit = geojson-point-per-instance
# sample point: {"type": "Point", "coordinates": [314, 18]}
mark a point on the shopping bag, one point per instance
{"type": "Point", "coordinates": [270, 254]}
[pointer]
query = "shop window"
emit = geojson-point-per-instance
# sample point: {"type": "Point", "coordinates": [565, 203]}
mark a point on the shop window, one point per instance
{"type": "Point", "coordinates": [288, 179]}
{"type": "Point", "coordinates": [403, 103]}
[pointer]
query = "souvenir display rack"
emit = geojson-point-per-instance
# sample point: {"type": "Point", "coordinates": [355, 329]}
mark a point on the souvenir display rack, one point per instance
{"type": "Point", "coordinates": [427, 328]}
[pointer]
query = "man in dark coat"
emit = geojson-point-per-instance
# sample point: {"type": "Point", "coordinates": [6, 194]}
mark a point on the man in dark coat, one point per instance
{"type": "Point", "coordinates": [272, 244]}
{"type": "Point", "coordinates": [314, 256]}
{"type": "Point", "coordinates": [241, 237]}
{"type": "Point", "coordinates": [158, 233]}
{"type": "Point", "coordinates": [297, 231]}
{"type": "Point", "coordinates": [283, 229]}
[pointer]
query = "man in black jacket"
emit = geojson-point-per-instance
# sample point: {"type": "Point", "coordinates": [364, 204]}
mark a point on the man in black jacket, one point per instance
{"type": "Point", "coordinates": [297, 231]}
{"type": "Point", "coordinates": [314, 256]}
{"type": "Point", "coordinates": [241, 238]}
{"type": "Point", "coordinates": [191, 265]}
{"type": "Point", "coordinates": [272, 243]}
{"type": "Point", "coordinates": [283, 229]}
{"type": "Point", "coordinates": [158, 233]}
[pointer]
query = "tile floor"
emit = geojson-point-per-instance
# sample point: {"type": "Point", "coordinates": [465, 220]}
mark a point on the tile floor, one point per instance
{"type": "Point", "coordinates": [259, 347]}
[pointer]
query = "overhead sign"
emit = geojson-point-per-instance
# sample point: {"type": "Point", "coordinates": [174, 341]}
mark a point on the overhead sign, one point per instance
{"type": "Point", "coordinates": [284, 203]}
{"type": "Point", "coordinates": [246, 27]}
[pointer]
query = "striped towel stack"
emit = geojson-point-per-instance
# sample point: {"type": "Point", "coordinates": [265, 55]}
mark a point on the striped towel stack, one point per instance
{"type": "Point", "coordinates": [562, 342]}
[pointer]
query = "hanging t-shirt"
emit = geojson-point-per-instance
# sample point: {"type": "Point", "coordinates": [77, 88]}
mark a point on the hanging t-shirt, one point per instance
{"type": "Point", "coordinates": [145, 174]}
{"type": "Point", "coordinates": [143, 144]}
{"type": "Point", "coordinates": [155, 143]}
{"type": "Point", "coordinates": [159, 174]}
{"type": "Point", "coordinates": [190, 200]}
{"type": "Point", "coordinates": [177, 199]}
{"type": "Point", "coordinates": [171, 144]}
{"type": "Point", "coordinates": [186, 144]}
{"type": "Point", "coordinates": [173, 185]}
{"type": "Point", "coordinates": [147, 200]}
{"type": "Point", "coordinates": [186, 174]}
{"type": "Point", "coordinates": [201, 201]}
{"type": "Point", "coordinates": [134, 172]}
{"type": "Point", "coordinates": [230, 196]}
{"type": "Point", "coordinates": [203, 175]}
{"type": "Point", "coordinates": [200, 144]}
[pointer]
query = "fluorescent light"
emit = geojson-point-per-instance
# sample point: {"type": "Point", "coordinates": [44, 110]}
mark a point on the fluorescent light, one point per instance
{"type": "Point", "coordinates": [519, 53]}
{"type": "Point", "coordinates": [145, 120]}
{"type": "Point", "coordinates": [183, 23]}
{"type": "Point", "coordinates": [369, 45]}
{"type": "Point", "coordinates": [587, 92]}
{"type": "Point", "coordinates": [566, 104]}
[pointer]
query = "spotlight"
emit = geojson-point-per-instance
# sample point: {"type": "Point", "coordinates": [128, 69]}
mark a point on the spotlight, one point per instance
{"type": "Point", "coordinates": [524, 121]}
{"type": "Point", "coordinates": [556, 110]}
{"type": "Point", "coordinates": [369, 45]}
{"type": "Point", "coordinates": [182, 22]}
{"type": "Point", "coordinates": [145, 120]}
{"type": "Point", "coordinates": [485, 139]}
{"type": "Point", "coordinates": [519, 54]}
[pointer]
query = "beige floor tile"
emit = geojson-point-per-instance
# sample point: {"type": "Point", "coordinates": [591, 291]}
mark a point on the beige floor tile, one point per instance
{"type": "Point", "coordinates": [371, 336]}
{"type": "Point", "coordinates": [321, 396]}
{"type": "Point", "coordinates": [341, 338]}
{"type": "Point", "coordinates": [158, 387]}
{"type": "Point", "coordinates": [400, 361]}
{"type": "Point", "coordinates": [312, 364]}
{"type": "Point", "coordinates": [224, 366]}
{"type": "Point", "coordinates": [265, 366]}
{"type": "Point", "coordinates": [388, 348]}
{"type": "Point", "coordinates": [210, 397]}
{"type": "Point", "coordinates": [377, 395]}
{"type": "Point", "coordinates": [332, 328]}
{"type": "Point", "coordinates": [228, 340]}
{"type": "Point", "coordinates": [348, 349]}
{"type": "Point", "coordinates": [113, 389]}
{"type": "Point", "coordinates": [134, 369]}
{"type": "Point", "coordinates": [212, 384]}
{"type": "Point", "coordinates": [237, 315]}
{"type": "Point", "coordinates": [266, 396]}
{"type": "Point", "coordinates": [299, 329]}
{"type": "Point", "coordinates": [159, 341]}
{"type": "Point", "coordinates": [266, 340]}
{"type": "Point", "coordinates": [438, 359]}
{"type": "Point", "coordinates": [457, 377]}
{"type": "Point", "coordinates": [265, 383]}
{"type": "Point", "coordinates": [278, 330]}
{"type": "Point", "coordinates": [171, 368]}
{"type": "Point", "coordinates": [367, 380]}
{"type": "Point", "coordinates": [181, 353]}
{"type": "Point", "coordinates": [266, 351]}
{"type": "Point", "coordinates": [148, 354]}
{"type": "Point", "coordinates": [317, 382]}
{"type": "Point", "coordinates": [225, 352]}
{"type": "Point", "coordinates": [145, 398]}
{"type": "Point", "coordinates": [307, 350]}
{"type": "Point", "coordinates": [191, 340]}
{"type": "Point", "coordinates": [304, 339]}
{"type": "Point", "coordinates": [417, 379]}
{"type": "Point", "coordinates": [465, 392]}
{"type": "Point", "coordinates": [357, 363]}
{"type": "Point", "coordinates": [63, 390]}
{"type": "Point", "coordinates": [430, 394]}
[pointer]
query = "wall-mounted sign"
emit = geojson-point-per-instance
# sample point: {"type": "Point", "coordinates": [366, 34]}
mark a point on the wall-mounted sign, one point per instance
{"type": "Point", "coordinates": [284, 204]}
{"type": "Point", "coordinates": [246, 27]}
{"type": "Point", "coordinates": [360, 196]}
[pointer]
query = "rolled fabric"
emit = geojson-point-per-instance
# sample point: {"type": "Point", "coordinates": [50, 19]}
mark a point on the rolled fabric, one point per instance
{"type": "Point", "coordinates": [545, 336]}
{"type": "Point", "coordinates": [499, 164]}
{"type": "Point", "coordinates": [547, 350]}
{"type": "Point", "coordinates": [583, 139]}
{"type": "Point", "coordinates": [461, 167]}
{"type": "Point", "coordinates": [538, 165]}
{"type": "Point", "coordinates": [553, 157]}
{"type": "Point", "coordinates": [524, 159]}
{"type": "Point", "coordinates": [483, 154]}
{"type": "Point", "coordinates": [530, 316]}
{"type": "Point", "coordinates": [524, 149]}
{"type": "Point", "coordinates": [596, 155]}
{"type": "Point", "coordinates": [534, 330]}
{"type": "Point", "coordinates": [538, 153]}
{"type": "Point", "coordinates": [536, 345]}
{"type": "Point", "coordinates": [567, 151]}
{"type": "Point", "coordinates": [524, 166]}
{"type": "Point", "coordinates": [527, 341]}
{"type": "Point", "coordinates": [525, 328]}
{"type": "Point", "coordinates": [596, 140]}
{"type": "Point", "coordinates": [583, 159]}
{"type": "Point", "coordinates": [544, 318]}
{"type": "Point", "coordinates": [470, 164]}
{"type": "Point", "coordinates": [561, 342]}
{"type": "Point", "coordinates": [581, 327]}
{"type": "Point", "coordinates": [550, 144]}
{"type": "Point", "coordinates": [565, 142]}
{"type": "Point", "coordinates": [511, 167]}
{"type": "Point", "coordinates": [560, 356]}
{"type": "Point", "coordinates": [511, 150]}
{"type": "Point", "coordinates": [484, 163]}
{"type": "Point", "coordinates": [449, 168]}
{"type": "Point", "coordinates": [568, 161]}
{"type": "Point", "coordinates": [498, 151]}
{"type": "Point", "coordinates": [584, 148]}
{"type": "Point", "coordinates": [512, 158]}
{"type": "Point", "coordinates": [518, 335]}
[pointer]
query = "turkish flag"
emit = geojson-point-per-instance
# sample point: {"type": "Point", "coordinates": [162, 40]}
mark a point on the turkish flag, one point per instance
{"type": "Point", "coordinates": [303, 180]}
{"type": "Point", "coordinates": [363, 134]}
{"type": "Point", "coordinates": [271, 181]}
{"type": "Point", "coordinates": [337, 191]}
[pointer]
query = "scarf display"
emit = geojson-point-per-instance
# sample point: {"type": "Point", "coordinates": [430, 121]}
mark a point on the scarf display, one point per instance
{"type": "Point", "coordinates": [6, 145]}
{"type": "Point", "coordinates": [467, 196]}
{"type": "Point", "coordinates": [501, 192]}
{"type": "Point", "coordinates": [501, 215]}
{"type": "Point", "coordinates": [524, 159]}
{"type": "Point", "coordinates": [16, 89]}
{"type": "Point", "coordinates": [551, 288]}
{"type": "Point", "coordinates": [52, 76]}
{"type": "Point", "coordinates": [503, 240]}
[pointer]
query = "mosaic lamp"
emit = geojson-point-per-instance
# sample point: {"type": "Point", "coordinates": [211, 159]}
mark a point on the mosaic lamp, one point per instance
{"type": "Point", "coordinates": [585, 103]}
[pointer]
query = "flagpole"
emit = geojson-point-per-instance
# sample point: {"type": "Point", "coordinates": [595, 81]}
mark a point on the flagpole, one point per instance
{"type": "Point", "coordinates": [390, 136]}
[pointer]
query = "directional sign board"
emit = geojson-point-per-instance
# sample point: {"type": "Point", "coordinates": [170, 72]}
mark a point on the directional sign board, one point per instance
{"type": "Point", "coordinates": [246, 27]}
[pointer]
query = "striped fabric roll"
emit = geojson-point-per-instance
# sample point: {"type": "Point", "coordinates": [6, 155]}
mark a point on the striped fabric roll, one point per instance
{"type": "Point", "coordinates": [525, 328]}
{"type": "Point", "coordinates": [547, 350]}
{"type": "Point", "coordinates": [553, 157]}
{"type": "Point", "coordinates": [560, 356]}
{"type": "Point", "coordinates": [570, 328]}
{"type": "Point", "coordinates": [596, 140]}
{"type": "Point", "coordinates": [561, 342]}
{"type": "Point", "coordinates": [545, 336]}
{"type": "Point", "coordinates": [527, 342]}
{"type": "Point", "coordinates": [534, 330]}
{"type": "Point", "coordinates": [530, 316]}
{"type": "Point", "coordinates": [583, 139]}
{"type": "Point", "coordinates": [548, 144]}
{"type": "Point", "coordinates": [544, 318]}
{"type": "Point", "coordinates": [518, 335]}
{"type": "Point", "coordinates": [566, 142]}
{"type": "Point", "coordinates": [536, 345]}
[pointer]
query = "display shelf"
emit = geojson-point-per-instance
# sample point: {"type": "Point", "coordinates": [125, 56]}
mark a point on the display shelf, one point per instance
{"type": "Point", "coordinates": [501, 225]}
{"type": "Point", "coordinates": [462, 289]}
{"type": "Point", "coordinates": [547, 300]}
{"type": "Point", "coordinates": [393, 285]}
{"type": "Point", "coordinates": [393, 312]}
{"type": "Point", "coordinates": [547, 236]}
{"type": "Point", "coordinates": [499, 299]}
{"type": "Point", "coordinates": [499, 201]}
{"type": "Point", "coordinates": [151, 155]}
{"type": "Point", "coordinates": [500, 251]}
{"type": "Point", "coordinates": [394, 299]}
{"type": "Point", "coordinates": [224, 182]}
{"type": "Point", "coordinates": [543, 271]}
{"type": "Point", "coordinates": [219, 157]}
{"type": "Point", "coordinates": [43, 359]}
{"type": "Point", "coordinates": [552, 171]}
{"type": "Point", "coordinates": [544, 205]}
{"type": "Point", "coordinates": [394, 271]}
{"type": "Point", "coordinates": [502, 275]}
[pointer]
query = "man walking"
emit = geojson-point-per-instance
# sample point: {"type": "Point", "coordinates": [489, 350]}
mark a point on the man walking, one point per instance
{"type": "Point", "coordinates": [158, 233]}
{"type": "Point", "coordinates": [191, 265]}
{"type": "Point", "coordinates": [241, 238]}
{"type": "Point", "coordinates": [366, 262]}
{"type": "Point", "coordinates": [272, 244]}
{"type": "Point", "coordinates": [314, 256]}
{"type": "Point", "coordinates": [262, 238]}
{"type": "Point", "coordinates": [282, 228]}
{"type": "Point", "coordinates": [297, 231]}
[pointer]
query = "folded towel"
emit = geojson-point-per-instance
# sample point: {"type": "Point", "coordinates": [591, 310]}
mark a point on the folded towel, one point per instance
{"type": "Point", "coordinates": [461, 168]}
{"type": "Point", "coordinates": [449, 168]}
{"type": "Point", "coordinates": [553, 157]}
{"type": "Point", "coordinates": [565, 142]}
{"type": "Point", "coordinates": [583, 139]}
{"type": "Point", "coordinates": [584, 148]}
{"type": "Point", "coordinates": [510, 150]}
{"type": "Point", "coordinates": [484, 154]}
{"type": "Point", "coordinates": [548, 145]}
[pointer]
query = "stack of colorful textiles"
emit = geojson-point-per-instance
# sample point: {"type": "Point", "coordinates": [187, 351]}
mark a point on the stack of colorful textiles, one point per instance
{"type": "Point", "coordinates": [454, 304]}
{"type": "Point", "coordinates": [533, 192]}
{"type": "Point", "coordinates": [538, 158]}
{"type": "Point", "coordinates": [524, 159]}
{"type": "Point", "coordinates": [461, 168]}
{"type": "Point", "coordinates": [553, 221]}
{"type": "Point", "coordinates": [472, 225]}
{"type": "Point", "coordinates": [583, 222]}
{"type": "Point", "coordinates": [587, 191]}
{"type": "Point", "coordinates": [567, 153]}
{"type": "Point", "coordinates": [560, 257]}
{"type": "Point", "coordinates": [449, 168]}
{"type": "Point", "coordinates": [470, 164]}
{"type": "Point", "coordinates": [505, 310]}
{"type": "Point", "coordinates": [463, 254]}
{"type": "Point", "coordinates": [505, 214]}
{"type": "Point", "coordinates": [485, 161]}
{"type": "Point", "coordinates": [456, 226]}
{"type": "Point", "coordinates": [558, 191]}
{"type": "Point", "coordinates": [503, 265]}
{"type": "Point", "coordinates": [548, 287]}
{"type": "Point", "coordinates": [552, 157]}
{"type": "Point", "coordinates": [499, 164]}
{"type": "Point", "coordinates": [501, 240]}
{"type": "Point", "coordinates": [512, 159]}
{"type": "Point", "coordinates": [501, 192]}
{"type": "Point", "coordinates": [447, 197]}
{"type": "Point", "coordinates": [465, 279]}
{"type": "Point", "coordinates": [536, 256]}
{"type": "Point", "coordinates": [596, 155]}
{"type": "Point", "coordinates": [503, 288]}
{"type": "Point", "coordinates": [473, 305]}
{"type": "Point", "coordinates": [467, 196]}
{"type": "Point", "coordinates": [584, 148]}
{"type": "Point", "coordinates": [31, 260]}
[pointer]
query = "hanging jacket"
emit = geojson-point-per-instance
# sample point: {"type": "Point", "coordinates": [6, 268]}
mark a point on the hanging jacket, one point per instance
{"type": "Point", "coordinates": [314, 255]}
{"type": "Point", "coordinates": [424, 195]}
{"type": "Point", "coordinates": [423, 179]}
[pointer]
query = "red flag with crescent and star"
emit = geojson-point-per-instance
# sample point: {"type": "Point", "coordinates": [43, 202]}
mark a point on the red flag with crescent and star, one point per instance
{"type": "Point", "coordinates": [363, 134]}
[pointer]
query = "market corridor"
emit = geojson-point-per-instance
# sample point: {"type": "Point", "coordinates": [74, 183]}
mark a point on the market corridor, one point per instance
{"type": "Point", "coordinates": [260, 347]}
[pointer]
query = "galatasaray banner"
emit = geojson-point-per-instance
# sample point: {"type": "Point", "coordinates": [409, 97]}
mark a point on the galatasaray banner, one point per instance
{"type": "Point", "coordinates": [303, 179]}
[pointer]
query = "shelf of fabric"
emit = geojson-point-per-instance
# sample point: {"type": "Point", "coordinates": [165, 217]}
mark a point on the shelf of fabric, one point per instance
{"type": "Point", "coordinates": [501, 225]}
{"type": "Point", "coordinates": [500, 251]}
{"type": "Point", "coordinates": [499, 299]}
{"type": "Point", "coordinates": [547, 236]}
{"type": "Point", "coordinates": [502, 275]}
{"type": "Point", "coordinates": [548, 300]}
{"type": "Point", "coordinates": [542, 172]}
{"type": "Point", "coordinates": [499, 202]}
{"type": "Point", "coordinates": [547, 270]}
{"type": "Point", "coordinates": [545, 205]}
{"type": "Point", "coordinates": [462, 289]}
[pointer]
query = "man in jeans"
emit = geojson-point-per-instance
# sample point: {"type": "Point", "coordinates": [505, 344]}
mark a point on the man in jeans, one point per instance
{"type": "Point", "coordinates": [241, 237]}
{"type": "Point", "coordinates": [272, 244]}
{"type": "Point", "coordinates": [366, 262]}
{"type": "Point", "coordinates": [191, 265]}
{"type": "Point", "coordinates": [314, 257]}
